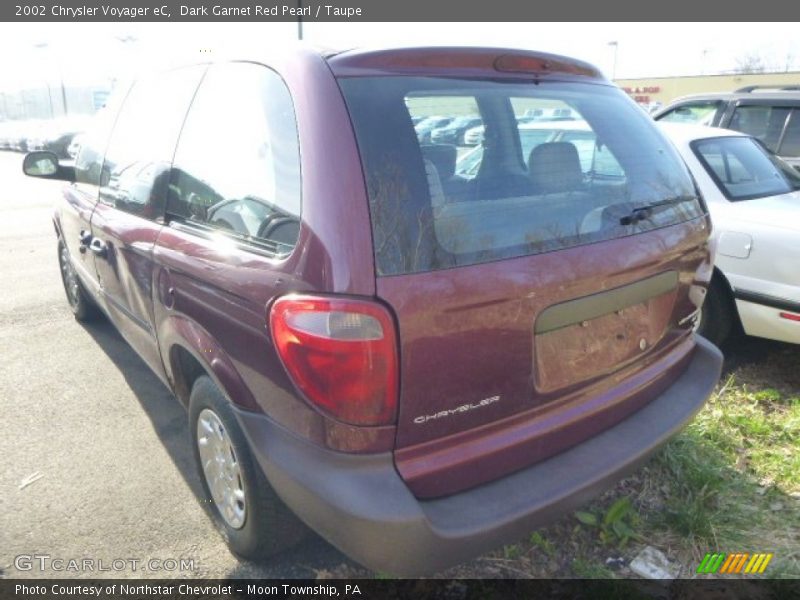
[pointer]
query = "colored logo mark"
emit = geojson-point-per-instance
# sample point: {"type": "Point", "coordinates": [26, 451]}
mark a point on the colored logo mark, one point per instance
{"type": "Point", "coordinates": [738, 562]}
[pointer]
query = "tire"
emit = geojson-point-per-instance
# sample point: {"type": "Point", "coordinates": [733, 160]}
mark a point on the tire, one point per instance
{"type": "Point", "coordinates": [254, 521]}
{"type": "Point", "coordinates": [81, 304]}
{"type": "Point", "coordinates": [716, 314]}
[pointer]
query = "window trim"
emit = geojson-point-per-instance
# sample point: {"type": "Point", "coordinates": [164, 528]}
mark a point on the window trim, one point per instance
{"type": "Point", "coordinates": [240, 243]}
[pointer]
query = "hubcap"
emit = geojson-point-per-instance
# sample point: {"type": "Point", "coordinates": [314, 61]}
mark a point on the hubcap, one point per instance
{"type": "Point", "coordinates": [69, 276]}
{"type": "Point", "coordinates": [221, 468]}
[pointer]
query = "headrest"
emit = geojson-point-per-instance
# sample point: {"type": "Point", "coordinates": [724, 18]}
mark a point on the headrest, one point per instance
{"type": "Point", "coordinates": [554, 167]}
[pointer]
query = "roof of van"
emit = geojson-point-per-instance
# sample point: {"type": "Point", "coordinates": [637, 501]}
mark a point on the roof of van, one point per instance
{"type": "Point", "coordinates": [463, 61]}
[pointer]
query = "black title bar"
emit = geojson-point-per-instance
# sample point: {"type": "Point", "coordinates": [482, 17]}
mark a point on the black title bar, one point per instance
{"type": "Point", "coordinates": [390, 589]}
{"type": "Point", "coordinates": [391, 10]}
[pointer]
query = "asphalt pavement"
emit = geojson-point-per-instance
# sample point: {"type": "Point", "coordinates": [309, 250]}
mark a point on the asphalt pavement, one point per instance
{"type": "Point", "coordinates": [96, 476]}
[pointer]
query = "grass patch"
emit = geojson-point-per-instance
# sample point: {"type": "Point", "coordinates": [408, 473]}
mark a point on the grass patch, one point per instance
{"type": "Point", "coordinates": [586, 569]}
{"type": "Point", "coordinates": [726, 482]}
{"type": "Point", "coordinates": [544, 544]}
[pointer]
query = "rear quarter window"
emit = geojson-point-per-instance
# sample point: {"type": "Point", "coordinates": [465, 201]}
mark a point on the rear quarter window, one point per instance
{"type": "Point", "coordinates": [236, 170]}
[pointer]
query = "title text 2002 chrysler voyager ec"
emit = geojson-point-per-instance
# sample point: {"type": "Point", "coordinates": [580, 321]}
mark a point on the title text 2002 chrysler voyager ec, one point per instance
{"type": "Point", "coordinates": [419, 365]}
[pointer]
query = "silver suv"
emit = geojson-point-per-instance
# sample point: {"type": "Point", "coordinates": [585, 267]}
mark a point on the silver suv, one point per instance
{"type": "Point", "coordinates": [768, 113]}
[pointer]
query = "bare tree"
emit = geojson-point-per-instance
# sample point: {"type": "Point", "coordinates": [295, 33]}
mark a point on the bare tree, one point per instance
{"type": "Point", "coordinates": [751, 62]}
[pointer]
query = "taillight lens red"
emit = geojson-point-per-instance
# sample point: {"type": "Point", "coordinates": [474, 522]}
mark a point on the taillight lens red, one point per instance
{"type": "Point", "coordinates": [341, 353]}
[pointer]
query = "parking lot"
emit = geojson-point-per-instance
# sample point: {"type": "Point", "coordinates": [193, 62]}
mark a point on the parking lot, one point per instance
{"type": "Point", "coordinates": [101, 444]}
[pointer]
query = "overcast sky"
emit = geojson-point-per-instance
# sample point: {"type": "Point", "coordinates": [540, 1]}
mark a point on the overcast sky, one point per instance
{"type": "Point", "coordinates": [90, 52]}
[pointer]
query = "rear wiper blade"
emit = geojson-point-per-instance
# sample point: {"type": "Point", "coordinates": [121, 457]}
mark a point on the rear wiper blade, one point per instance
{"type": "Point", "coordinates": [640, 213]}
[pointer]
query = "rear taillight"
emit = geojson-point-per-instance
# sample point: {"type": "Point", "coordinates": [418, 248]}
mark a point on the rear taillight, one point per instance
{"type": "Point", "coordinates": [341, 353]}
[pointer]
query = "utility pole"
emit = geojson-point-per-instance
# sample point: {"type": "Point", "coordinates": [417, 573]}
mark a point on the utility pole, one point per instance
{"type": "Point", "coordinates": [63, 93]}
{"type": "Point", "coordinates": [614, 69]}
{"type": "Point", "coordinates": [300, 20]}
{"type": "Point", "coordinates": [50, 98]}
{"type": "Point", "coordinates": [42, 46]}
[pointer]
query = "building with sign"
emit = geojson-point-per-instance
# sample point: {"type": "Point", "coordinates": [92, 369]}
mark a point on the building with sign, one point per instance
{"type": "Point", "coordinates": [653, 92]}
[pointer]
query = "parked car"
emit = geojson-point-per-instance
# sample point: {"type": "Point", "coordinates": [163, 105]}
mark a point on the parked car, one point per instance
{"type": "Point", "coordinates": [595, 160]}
{"type": "Point", "coordinates": [453, 132]}
{"type": "Point", "coordinates": [6, 134]}
{"type": "Point", "coordinates": [768, 113]}
{"type": "Point", "coordinates": [417, 379]}
{"type": "Point", "coordinates": [36, 134]}
{"type": "Point", "coordinates": [474, 136]}
{"type": "Point", "coordinates": [33, 135]}
{"type": "Point", "coordinates": [428, 124]}
{"type": "Point", "coordinates": [754, 202]}
{"type": "Point", "coordinates": [75, 145]}
{"type": "Point", "coordinates": [58, 134]}
{"type": "Point", "coordinates": [18, 139]}
{"type": "Point", "coordinates": [21, 135]}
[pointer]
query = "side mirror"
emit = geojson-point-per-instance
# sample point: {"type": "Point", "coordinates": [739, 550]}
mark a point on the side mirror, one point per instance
{"type": "Point", "coordinates": [45, 165]}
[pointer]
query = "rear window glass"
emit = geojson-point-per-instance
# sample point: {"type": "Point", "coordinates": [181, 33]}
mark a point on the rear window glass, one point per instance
{"type": "Point", "coordinates": [743, 170]}
{"type": "Point", "coordinates": [515, 169]}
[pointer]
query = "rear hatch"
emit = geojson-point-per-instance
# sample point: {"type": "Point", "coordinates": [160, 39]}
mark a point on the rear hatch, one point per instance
{"type": "Point", "coordinates": [541, 299]}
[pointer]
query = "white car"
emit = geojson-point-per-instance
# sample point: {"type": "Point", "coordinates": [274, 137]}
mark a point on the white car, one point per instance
{"type": "Point", "coordinates": [754, 202]}
{"type": "Point", "coordinates": [474, 136]}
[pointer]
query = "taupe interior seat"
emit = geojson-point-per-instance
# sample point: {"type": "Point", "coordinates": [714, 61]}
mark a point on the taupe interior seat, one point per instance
{"type": "Point", "coordinates": [554, 167]}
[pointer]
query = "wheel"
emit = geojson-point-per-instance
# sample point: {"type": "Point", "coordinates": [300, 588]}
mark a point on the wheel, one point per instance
{"type": "Point", "coordinates": [716, 316]}
{"type": "Point", "coordinates": [255, 522]}
{"type": "Point", "coordinates": [78, 298]}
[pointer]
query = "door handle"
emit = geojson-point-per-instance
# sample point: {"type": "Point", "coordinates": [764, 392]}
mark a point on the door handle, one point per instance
{"type": "Point", "coordinates": [99, 248]}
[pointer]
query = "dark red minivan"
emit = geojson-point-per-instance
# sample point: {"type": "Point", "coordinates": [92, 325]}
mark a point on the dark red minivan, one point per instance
{"type": "Point", "coordinates": [421, 350]}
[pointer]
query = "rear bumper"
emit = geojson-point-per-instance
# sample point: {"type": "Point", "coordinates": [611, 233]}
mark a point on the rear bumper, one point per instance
{"type": "Point", "coordinates": [361, 505]}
